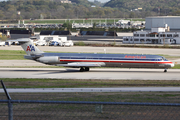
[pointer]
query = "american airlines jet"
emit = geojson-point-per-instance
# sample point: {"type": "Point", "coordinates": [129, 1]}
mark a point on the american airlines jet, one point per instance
{"type": "Point", "coordinates": [86, 60]}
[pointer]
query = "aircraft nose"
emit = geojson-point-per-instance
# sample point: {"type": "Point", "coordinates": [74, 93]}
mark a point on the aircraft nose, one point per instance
{"type": "Point", "coordinates": [172, 64]}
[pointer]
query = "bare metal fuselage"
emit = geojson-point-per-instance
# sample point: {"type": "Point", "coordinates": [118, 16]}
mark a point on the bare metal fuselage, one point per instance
{"type": "Point", "coordinates": [105, 60]}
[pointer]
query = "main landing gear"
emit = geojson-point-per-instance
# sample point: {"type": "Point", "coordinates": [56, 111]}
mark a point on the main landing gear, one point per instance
{"type": "Point", "coordinates": [82, 69]}
{"type": "Point", "coordinates": [165, 70]}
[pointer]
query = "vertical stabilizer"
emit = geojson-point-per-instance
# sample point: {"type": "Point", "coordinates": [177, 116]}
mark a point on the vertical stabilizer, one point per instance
{"type": "Point", "coordinates": [29, 47]}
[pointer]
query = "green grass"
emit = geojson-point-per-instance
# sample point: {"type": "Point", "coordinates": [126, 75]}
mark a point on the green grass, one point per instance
{"type": "Point", "coordinates": [177, 66]}
{"type": "Point", "coordinates": [73, 83]}
{"type": "Point", "coordinates": [61, 21]}
{"type": "Point", "coordinates": [108, 96]}
{"type": "Point", "coordinates": [12, 54]}
{"type": "Point", "coordinates": [72, 21]}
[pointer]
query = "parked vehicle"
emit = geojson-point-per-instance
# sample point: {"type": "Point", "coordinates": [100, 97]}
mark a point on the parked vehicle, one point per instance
{"type": "Point", "coordinates": [68, 43]}
{"type": "Point", "coordinates": [40, 42]}
{"type": "Point", "coordinates": [54, 43]}
{"type": "Point", "coordinates": [2, 43]}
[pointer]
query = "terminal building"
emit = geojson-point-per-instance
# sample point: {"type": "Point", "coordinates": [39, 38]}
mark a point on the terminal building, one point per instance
{"type": "Point", "coordinates": [158, 30]}
{"type": "Point", "coordinates": [155, 36]}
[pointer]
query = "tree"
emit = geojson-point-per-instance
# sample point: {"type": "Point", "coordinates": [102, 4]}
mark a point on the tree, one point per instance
{"type": "Point", "coordinates": [4, 38]}
{"type": "Point", "coordinates": [1, 14]}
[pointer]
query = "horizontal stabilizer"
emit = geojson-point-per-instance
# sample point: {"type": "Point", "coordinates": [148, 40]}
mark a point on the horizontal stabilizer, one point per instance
{"type": "Point", "coordinates": [28, 46]}
{"type": "Point", "coordinates": [83, 64]}
{"type": "Point", "coordinates": [19, 40]}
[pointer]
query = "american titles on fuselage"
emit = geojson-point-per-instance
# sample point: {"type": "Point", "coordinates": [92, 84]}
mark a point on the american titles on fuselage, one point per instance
{"type": "Point", "coordinates": [139, 57]}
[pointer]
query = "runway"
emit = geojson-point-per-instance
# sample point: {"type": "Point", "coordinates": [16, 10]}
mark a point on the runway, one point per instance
{"type": "Point", "coordinates": [94, 73]}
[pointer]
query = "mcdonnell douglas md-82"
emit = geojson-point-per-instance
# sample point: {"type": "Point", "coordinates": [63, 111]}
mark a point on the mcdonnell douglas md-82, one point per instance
{"type": "Point", "coordinates": [86, 60]}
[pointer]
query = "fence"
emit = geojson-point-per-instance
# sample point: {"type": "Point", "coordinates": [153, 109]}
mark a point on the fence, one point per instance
{"type": "Point", "coordinates": [62, 110]}
{"type": "Point", "coordinates": [86, 106]}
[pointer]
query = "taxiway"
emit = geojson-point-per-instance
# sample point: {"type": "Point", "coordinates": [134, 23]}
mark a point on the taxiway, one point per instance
{"type": "Point", "coordinates": [94, 73]}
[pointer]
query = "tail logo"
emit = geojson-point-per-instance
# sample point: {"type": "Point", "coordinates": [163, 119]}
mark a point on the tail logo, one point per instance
{"type": "Point", "coordinates": [30, 48]}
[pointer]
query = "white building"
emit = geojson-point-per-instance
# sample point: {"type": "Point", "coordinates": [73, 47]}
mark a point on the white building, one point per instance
{"type": "Point", "coordinates": [159, 21]}
{"type": "Point", "coordinates": [82, 25]}
{"type": "Point", "coordinates": [155, 36]}
{"type": "Point", "coordinates": [122, 22]}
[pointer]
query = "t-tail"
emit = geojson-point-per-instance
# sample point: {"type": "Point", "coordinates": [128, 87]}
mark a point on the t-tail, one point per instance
{"type": "Point", "coordinates": [31, 50]}
{"type": "Point", "coordinates": [28, 46]}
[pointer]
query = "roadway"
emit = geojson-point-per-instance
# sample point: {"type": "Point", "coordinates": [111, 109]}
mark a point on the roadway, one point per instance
{"type": "Point", "coordinates": [94, 73]}
{"type": "Point", "coordinates": [87, 38]}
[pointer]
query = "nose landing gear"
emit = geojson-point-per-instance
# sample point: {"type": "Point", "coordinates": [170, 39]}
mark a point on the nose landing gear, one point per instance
{"type": "Point", "coordinates": [165, 70]}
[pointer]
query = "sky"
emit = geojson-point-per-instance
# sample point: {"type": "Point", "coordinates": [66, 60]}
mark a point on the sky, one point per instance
{"type": "Point", "coordinates": [102, 1]}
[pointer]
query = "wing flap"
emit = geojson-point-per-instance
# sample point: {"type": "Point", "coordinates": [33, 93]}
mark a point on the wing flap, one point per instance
{"type": "Point", "coordinates": [83, 64]}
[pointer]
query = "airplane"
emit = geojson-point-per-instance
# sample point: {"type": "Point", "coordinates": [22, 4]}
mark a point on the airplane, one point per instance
{"type": "Point", "coordinates": [86, 60]}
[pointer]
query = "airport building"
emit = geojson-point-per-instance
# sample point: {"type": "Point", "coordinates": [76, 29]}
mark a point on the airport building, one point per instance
{"type": "Point", "coordinates": [158, 30]}
{"type": "Point", "coordinates": [155, 36]}
{"type": "Point", "coordinates": [159, 21]}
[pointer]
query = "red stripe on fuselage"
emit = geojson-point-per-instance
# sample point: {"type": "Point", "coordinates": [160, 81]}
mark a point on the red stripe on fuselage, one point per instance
{"type": "Point", "coordinates": [107, 61]}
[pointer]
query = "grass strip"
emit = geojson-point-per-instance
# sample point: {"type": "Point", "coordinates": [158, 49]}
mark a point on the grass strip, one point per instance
{"type": "Point", "coordinates": [73, 83]}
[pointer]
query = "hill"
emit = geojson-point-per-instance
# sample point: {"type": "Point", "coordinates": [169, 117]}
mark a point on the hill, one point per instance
{"type": "Point", "coordinates": [54, 9]}
{"type": "Point", "coordinates": [163, 6]}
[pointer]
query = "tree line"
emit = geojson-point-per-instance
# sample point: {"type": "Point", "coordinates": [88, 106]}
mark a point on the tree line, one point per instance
{"type": "Point", "coordinates": [54, 9]}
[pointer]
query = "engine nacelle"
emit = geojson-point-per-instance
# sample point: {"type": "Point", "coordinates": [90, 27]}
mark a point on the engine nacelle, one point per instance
{"type": "Point", "coordinates": [49, 60]}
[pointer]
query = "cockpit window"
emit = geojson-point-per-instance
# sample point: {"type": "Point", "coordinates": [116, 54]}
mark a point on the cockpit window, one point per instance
{"type": "Point", "coordinates": [163, 58]}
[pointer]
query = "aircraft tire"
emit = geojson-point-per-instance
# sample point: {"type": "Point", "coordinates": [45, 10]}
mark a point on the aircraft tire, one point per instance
{"type": "Point", "coordinates": [81, 69]}
{"type": "Point", "coordinates": [86, 68]}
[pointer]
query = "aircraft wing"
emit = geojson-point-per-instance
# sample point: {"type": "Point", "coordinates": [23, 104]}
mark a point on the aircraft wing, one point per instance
{"type": "Point", "coordinates": [83, 64]}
